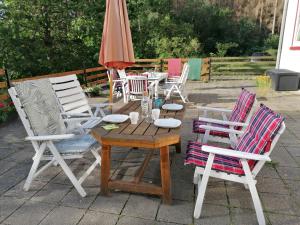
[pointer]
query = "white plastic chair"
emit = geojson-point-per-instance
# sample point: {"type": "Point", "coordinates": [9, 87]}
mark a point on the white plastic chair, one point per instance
{"type": "Point", "coordinates": [247, 177]}
{"type": "Point", "coordinates": [72, 98]}
{"type": "Point", "coordinates": [37, 107]}
{"type": "Point", "coordinates": [136, 87]}
{"type": "Point", "coordinates": [213, 129]}
{"type": "Point", "coordinates": [177, 86]}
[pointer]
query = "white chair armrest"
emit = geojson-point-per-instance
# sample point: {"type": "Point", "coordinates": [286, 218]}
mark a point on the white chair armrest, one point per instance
{"type": "Point", "coordinates": [77, 119]}
{"type": "Point", "coordinates": [226, 130]}
{"type": "Point", "coordinates": [223, 122]}
{"type": "Point", "coordinates": [50, 137]}
{"type": "Point", "coordinates": [91, 123]}
{"type": "Point", "coordinates": [235, 153]}
{"type": "Point", "coordinates": [76, 114]}
{"type": "Point", "coordinates": [171, 82]}
{"type": "Point", "coordinates": [101, 105]}
{"type": "Point", "coordinates": [204, 108]}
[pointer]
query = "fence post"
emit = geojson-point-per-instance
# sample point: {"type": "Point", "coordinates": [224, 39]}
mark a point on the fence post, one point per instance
{"type": "Point", "coordinates": [7, 79]}
{"type": "Point", "coordinates": [161, 65]}
{"type": "Point", "coordinates": [209, 66]}
{"type": "Point", "coordinates": [84, 78]}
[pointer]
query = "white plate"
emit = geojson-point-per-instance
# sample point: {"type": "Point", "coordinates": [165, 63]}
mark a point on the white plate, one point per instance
{"type": "Point", "coordinates": [167, 123]}
{"type": "Point", "coordinates": [172, 107]}
{"type": "Point", "coordinates": [115, 118]}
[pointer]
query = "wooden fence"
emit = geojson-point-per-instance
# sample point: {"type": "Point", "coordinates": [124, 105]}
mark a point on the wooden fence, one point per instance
{"type": "Point", "coordinates": [212, 68]}
{"type": "Point", "coordinates": [240, 67]}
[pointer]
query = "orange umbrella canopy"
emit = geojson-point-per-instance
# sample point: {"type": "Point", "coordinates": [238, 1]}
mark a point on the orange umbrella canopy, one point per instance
{"type": "Point", "coordinates": [116, 46]}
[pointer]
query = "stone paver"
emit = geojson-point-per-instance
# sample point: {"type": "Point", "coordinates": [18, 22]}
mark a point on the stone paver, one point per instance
{"type": "Point", "coordinates": [64, 216]}
{"type": "Point", "coordinates": [53, 200]}
{"type": "Point", "coordinates": [8, 205]}
{"type": "Point", "coordinates": [178, 212]}
{"type": "Point", "coordinates": [92, 217]}
{"type": "Point", "coordinates": [111, 204]}
{"type": "Point", "coordinates": [141, 206]}
{"type": "Point", "coordinates": [30, 213]}
{"type": "Point", "coordinates": [52, 193]}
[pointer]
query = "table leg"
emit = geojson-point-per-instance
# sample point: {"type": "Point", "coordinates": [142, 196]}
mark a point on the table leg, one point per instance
{"type": "Point", "coordinates": [105, 168]}
{"type": "Point", "coordinates": [165, 174]}
{"type": "Point", "coordinates": [178, 147]}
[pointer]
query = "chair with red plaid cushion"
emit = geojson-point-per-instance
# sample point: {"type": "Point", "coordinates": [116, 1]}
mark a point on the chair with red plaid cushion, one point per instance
{"type": "Point", "coordinates": [238, 119]}
{"type": "Point", "coordinates": [240, 164]}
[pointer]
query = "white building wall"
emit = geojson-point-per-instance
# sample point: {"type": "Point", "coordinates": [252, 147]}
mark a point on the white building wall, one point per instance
{"type": "Point", "coordinates": [290, 59]}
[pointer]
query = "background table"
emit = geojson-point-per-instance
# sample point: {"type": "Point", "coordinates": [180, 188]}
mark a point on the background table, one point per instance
{"type": "Point", "coordinates": [141, 135]}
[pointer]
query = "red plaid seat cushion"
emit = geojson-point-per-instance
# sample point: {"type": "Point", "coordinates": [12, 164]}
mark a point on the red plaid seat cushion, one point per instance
{"type": "Point", "coordinates": [242, 107]}
{"type": "Point", "coordinates": [197, 129]}
{"type": "Point", "coordinates": [196, 156]}
{"type": "Point", "coordinates": [262, 129]}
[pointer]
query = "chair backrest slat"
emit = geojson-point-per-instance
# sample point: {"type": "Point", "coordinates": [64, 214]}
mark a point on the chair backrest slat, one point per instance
{"type": "Point", "coordinates": [184, 74]}
{"type": "Point", "coordinates": [70, 94]}
{"type": "Point", "coordinates": [137, 84]}
{"type": "Point", "coordinates": [122, 74]}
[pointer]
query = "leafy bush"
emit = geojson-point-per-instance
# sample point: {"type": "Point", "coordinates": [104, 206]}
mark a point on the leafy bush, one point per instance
{"type": "Point", "coordinates": [55, 36]}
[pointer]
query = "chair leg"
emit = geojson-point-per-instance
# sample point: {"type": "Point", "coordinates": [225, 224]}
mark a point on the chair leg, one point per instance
{"type": "Point", "coordinates": [255, 198]}
{"type": "Point", "coordinates": [34, 167]}
{"type": "Point", "coordinates": [66, 169]}
{"type": "Point", "coordinates": [197, 176]}
{"type": "Point", "coordinates": [202, 184]}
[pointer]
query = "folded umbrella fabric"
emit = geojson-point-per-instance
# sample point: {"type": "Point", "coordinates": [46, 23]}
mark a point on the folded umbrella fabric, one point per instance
{"type": "Point", "coordinates": [174, 67]}
{"type": "Point", "coordinates": [195, 68]}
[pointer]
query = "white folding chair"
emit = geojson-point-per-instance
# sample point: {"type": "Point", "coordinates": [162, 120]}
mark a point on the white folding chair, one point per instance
{"type": "Point", "coordinates": [40, 114]}
{"type": "Point", "coordinates": [72, 98]}
{"type": "Point", "coordinates": [120, 83]}
{"type": "Point", "coordinates": [239, 165]}
{"type": "Point", "coordinates": [177, 86]}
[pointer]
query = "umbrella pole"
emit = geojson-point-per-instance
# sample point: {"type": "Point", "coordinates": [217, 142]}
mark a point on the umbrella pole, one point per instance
{"type": "Point", "coordinates": [110, 85]}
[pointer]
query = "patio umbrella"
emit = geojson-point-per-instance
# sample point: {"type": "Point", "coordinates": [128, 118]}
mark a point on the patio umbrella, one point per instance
{"type": "Point", "coordinates": [116, 46]}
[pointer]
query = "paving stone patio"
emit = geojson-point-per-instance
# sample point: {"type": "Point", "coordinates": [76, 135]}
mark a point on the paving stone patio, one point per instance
{"type": "Point", "coordinates": [53, 200]}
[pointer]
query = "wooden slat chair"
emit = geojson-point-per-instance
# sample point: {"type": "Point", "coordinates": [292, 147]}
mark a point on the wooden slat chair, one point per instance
{"type": "Point", "coordinates": [137, 85]}
{"type": "Point", "coordinates": [177, 86]}
{"type": "Point", "coordinates": [237, 119]}
{"type": "Point", "coordinates": [72, 98]}
{"type": "Point", "coordinates": [241, 164]}
{"type": "Point", "coordinates": [40, 114]}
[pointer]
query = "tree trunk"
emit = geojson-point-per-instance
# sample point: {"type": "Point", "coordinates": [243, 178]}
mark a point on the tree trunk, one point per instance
{"type": "Point", "coordinates": [261, 13]}
{"type": "Point", "coordinates": [274, 17]}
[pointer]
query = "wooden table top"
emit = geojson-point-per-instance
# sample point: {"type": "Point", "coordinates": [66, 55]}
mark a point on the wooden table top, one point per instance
{"type": "Point", "coordinates": [143, 134]}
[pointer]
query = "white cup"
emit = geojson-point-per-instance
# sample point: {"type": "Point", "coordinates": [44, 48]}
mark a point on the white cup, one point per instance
{"type": "Point", "coordinates": [155, 114]}
{"type": "Point", "coordinates": [134, 117]}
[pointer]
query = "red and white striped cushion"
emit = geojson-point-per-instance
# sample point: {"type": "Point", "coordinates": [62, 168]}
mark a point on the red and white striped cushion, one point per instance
{"type": "Point", "coordinates": [197, 129]}
{"type": "Point", "coordinates": [196, 156]}
{"type": "Point", "coordinates": [242, 107]}
{"type": "Point", "coordinates": [262, 129]}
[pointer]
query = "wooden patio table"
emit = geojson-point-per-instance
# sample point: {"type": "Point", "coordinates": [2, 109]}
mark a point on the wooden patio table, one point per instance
{"type": "Point", "coordinates": [142, 135]}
